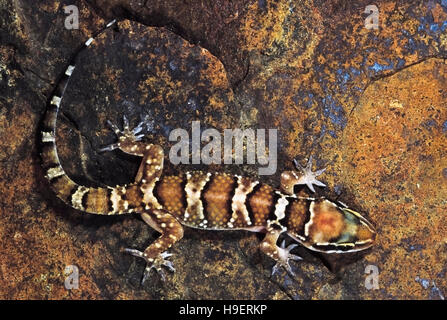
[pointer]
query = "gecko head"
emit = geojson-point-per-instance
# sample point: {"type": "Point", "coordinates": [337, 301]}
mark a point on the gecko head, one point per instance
{"type": "Point", "coordinates": [337, 229]}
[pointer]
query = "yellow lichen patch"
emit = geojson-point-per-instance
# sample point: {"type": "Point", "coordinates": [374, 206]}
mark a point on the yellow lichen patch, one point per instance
{"type": "Point", "coordinates": [272, 30]}
{"type": "Point", "coordinates": [263, 28]}
{"type": "Point", "coordinates": [215, 72]}
{"type": "Point", "coordinates": [52, 7]}
{"type": "Point", "coordinates": [15, 135]}
{"type": "Point", "coordinates": [397, 143]}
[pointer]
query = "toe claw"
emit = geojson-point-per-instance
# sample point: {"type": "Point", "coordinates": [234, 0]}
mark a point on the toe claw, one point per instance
{"type": "Point", "coordinates": [125, 123]}
{"type": "Point", "coordinates": [298, 165]}
{"type": "Point", "coordinates": [285, 265]}
{"type": "Point", "coordinates": [110, 147]}
{"type": "Point", "coordinates": [114, 127]}
{"type": "Point", "coordinates": [275, 268]}
{"type": "Point", "coordinates": [162, 274]}
{"type": "Point", "coordinates": [289, 270]}
{"type": "Point", "coordinates": [169, 265]}
{"type": "Point", "coordinates": [134, 252]}
{"type": "Point", "coordinates": [138, 128]}
{"type": "Point", "coordinates": [294, 257]}
{"type": "Point", "coordinates": [146, 272]}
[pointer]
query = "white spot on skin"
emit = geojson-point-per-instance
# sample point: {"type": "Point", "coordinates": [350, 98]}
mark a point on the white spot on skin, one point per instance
{"type": "Point", "coordinates": [149, 199]}
{"type": "Point", "coordinates": [110, 23]}
{"type": "Point", "coordinates": [280, 208]}
{"type": "Point", "coordinates": [312, 214]}
{"type": "Point", "coordinates": [69, 70]}
{"type": "Point", "coordinates": [47, 137]}
{"type": "Point", "coordinates": [76, 199]}
{"type": "Point", "coordinates": [238, 201]}
{"type": "Point", "coordinates": [193, 198]}
{"type": "Point", "coordinates": [54, 172]}
{"type": "Point", "coordinates": [56, 101]}
{"type": "Point", "coordinates": [115, 197]}
{"type": "Point", "coordinates": [89, 42]}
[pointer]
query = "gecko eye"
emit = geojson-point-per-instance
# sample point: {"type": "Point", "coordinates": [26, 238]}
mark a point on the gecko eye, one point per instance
{"type": "Point", "coordinates": [336, 229]}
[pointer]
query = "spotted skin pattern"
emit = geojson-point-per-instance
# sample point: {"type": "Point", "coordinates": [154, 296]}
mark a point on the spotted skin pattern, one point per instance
{"type": "Point", "coordinates": [211, 201]}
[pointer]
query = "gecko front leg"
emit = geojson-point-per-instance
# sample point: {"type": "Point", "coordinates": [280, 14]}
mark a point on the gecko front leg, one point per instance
{"type": "Point", "coordinates": [291, 178]}
{"type": "Point", "coordinates": [281, 254]}
{"type": "Point", "coordinates": [156, 253]}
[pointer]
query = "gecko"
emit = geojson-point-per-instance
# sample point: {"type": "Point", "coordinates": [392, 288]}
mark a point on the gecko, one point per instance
{"type": "Point", "coordinates": [205, 200]}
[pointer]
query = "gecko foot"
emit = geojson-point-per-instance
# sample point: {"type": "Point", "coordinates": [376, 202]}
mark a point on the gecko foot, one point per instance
{"type": "Point", "coordinates": [284, 257]}
{"type": "Point", "coordinates": [151, 263]}
{"type": "Point", "coordinates": [309, 177]}
{"type": "Point", "coordinates": [127, 135]}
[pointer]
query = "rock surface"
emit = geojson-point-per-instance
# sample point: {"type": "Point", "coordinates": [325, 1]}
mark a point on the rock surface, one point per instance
{"type": "Point", "coordinates": [370, 105]}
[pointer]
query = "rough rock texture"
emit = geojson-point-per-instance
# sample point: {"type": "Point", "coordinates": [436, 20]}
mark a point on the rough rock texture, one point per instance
{"type": "Point", "coordinates": [371, 105]}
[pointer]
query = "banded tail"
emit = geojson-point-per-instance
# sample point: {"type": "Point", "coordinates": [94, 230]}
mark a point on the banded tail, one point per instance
{"type": "Point", "coordinates": [91, 200]}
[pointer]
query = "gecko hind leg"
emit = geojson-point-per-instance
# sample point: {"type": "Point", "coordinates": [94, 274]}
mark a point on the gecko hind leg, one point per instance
{"type": "Point", "coordinates": [156, 253]}
{"type": "Point", "coordinates": [281, 254]}
{"type": "Point", "coordinates": [128, 140]}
